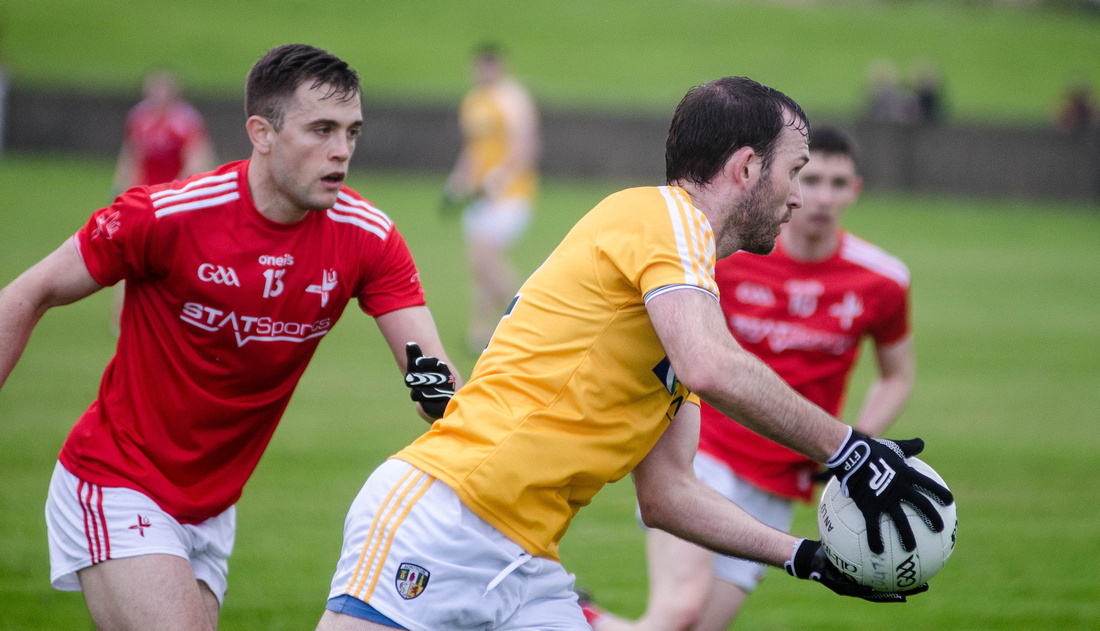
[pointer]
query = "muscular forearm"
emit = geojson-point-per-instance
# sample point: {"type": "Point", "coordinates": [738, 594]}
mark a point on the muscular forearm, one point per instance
{"type": "Point", "coordinates": [755, 396]}
{"type": "Point", "coordinates": [59, 279]}
{"type": "Point", "coordinates": [698, 514]}
{"type": "Point", "coordinates": [18, 317]}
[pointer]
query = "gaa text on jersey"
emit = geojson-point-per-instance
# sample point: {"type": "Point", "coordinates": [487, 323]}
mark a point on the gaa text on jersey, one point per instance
{"type": "Point", "coordinates": [219, 275]}
{"type": "Point", "coordinates": [252, 328]}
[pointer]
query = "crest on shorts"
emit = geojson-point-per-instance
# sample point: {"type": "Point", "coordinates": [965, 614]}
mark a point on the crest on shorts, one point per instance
{"type": "Point", "coordinates": [411, 580]}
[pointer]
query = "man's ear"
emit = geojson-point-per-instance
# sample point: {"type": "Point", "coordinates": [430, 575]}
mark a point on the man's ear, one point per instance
{"type": "Point", "coordinates": [742, 168]}
{"type": "Point", "coordinates": [260, 132]}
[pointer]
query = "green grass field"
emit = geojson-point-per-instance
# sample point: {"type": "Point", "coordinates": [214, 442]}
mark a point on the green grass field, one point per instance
{"type": "Point", "coordinates": [998, 62]}
{"type": "Point", "coordinates": [1005, 303]}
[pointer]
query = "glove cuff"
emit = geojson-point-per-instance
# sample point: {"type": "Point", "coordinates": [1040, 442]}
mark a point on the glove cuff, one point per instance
{"type": "Point", "coordinates": [800, 563]}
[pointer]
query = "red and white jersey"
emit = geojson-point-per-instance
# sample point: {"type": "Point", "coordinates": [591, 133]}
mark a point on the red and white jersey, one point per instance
{"type": "Point", "coordinates": [157, 138]}
{"type": "Point", "coordinates": [223, 310]}
{"type": "Point", "coordinates": [806, 321]}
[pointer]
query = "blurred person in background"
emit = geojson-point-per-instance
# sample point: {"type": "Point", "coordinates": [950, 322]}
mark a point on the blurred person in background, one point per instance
{"type": "Point", "coordinates": [928, 91]}
{"type": "Point", "coordinates": [234, 277]}
{"type": "Point", "coordinates": [804, 310]}
{"type": "Point", "coordinates": [165, 139]}
{"type": "Point", "coordinates": [494, 180]}
{"type": "Point", "coordinates": [1077, 109]}
{"type": "Point", "coordinates": [888, 101]}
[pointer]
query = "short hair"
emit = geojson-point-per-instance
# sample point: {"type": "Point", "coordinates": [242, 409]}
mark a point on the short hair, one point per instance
{"type": "Point", "coordinates": [833, 141]}
{"type": "Point", "coordinates": [719, 117]}
{"type": "Point", "coordinates": [273, 79]}
{"type": "Point", "coordinates": [488, 51]}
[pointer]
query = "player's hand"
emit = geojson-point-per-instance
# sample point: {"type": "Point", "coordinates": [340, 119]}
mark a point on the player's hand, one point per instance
{"type": "Point", "coordinates": [451, 203]}
{"type": "Point", "coordinates": [873, 472]}
{"type": "Point", "coordinates": [430, 380]}
{"type": "Point", "coordinates": [809, 561]}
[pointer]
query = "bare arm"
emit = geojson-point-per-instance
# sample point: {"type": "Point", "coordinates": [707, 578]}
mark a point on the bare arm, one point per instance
{"type": "Point", "coordinates": [198, 156]}
{"type": "Point", "coordinates": [888, 394]}
{"type": "Point", "coordinates": [59, 279]}
{"type": "Point", "coordinates": [709, 362]}
{"type": "Point", "coordinates": [124, 171]}
{"type": "Point", "coordinates": [673, 499]}
{"type": "Point", "coordinates": [414, 324]}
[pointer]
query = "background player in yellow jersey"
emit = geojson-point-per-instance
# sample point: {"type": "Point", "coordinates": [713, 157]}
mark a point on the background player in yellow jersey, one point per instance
{"type": "Point", "coordinates": [589, 376]}
{"type": "Point", "coordinates": [496, 179]}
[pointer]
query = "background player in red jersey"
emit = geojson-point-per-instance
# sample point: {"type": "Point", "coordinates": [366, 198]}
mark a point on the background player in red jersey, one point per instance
{"type": "Point", "coordinates": [165, 139]}
{"type": "Point", "coordinates": [233, 277]}
{"type": "Point", "coordinates": [802, 309]}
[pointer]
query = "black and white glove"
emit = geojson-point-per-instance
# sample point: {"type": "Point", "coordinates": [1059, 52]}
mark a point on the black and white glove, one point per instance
{"type": "Point", "coordinates": [430, 380]}
{"type": "Point", "coordinates": [809, 561]}
{"type": "Point", "coordinates": [873, 472]}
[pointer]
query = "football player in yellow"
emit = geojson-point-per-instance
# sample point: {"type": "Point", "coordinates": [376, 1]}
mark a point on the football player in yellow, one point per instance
{"type": "Point", "coordinates": [589, 376]}
{"type": "Point", "coordinates": [496, 179]}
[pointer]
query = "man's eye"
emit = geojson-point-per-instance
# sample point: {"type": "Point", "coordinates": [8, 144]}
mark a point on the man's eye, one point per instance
{"type": "Point", "coordinates": [354, 133]}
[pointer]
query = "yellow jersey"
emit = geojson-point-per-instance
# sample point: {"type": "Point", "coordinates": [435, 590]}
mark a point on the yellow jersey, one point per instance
{"type": "Point", "coordinates": [575, 388]}
{"type": "Point", "coordinates": [483, 119]}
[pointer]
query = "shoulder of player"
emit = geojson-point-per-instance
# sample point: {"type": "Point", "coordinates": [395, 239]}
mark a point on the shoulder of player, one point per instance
{"type": "Point", "coordinates": [874, 259]}
{"type": "Point", "coordinates": [353, 212]}
{"type": "Point", "coordinates": [512, 92]}
{"type": "Point", "coordinates": [197, 192]}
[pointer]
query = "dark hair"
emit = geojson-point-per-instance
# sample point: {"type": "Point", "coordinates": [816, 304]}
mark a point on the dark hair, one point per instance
{"type": "Point", "coordinates": [717, 118]}
{"type": "Point", "coordinates": [834, 142]}
{"type": "Point", "coordinates": [273, 79]}
{"type": "Point", "coordinates": [488, 51]}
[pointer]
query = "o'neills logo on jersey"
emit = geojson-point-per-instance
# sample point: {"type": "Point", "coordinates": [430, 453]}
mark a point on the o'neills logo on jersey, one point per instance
{"type": "Point", "coordinates": [285, 260]}
{"type": "Point", "coordinates": [250, 328]}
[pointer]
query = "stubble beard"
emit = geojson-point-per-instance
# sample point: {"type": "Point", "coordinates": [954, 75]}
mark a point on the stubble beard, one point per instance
{"type": "Point", "coordinates": [753, 215]}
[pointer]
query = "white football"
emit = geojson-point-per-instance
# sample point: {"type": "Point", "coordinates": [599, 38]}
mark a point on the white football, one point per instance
{"type": "Point", "coordinates": [843, 536]}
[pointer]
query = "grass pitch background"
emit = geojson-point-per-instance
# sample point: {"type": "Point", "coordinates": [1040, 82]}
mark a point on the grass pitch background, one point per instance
{"type": "Point", "coordinates": [1005, 294]}
{"type": "Point", "coordinates": [1004, 307]}
{"type": "Point", "coordinates": [1005, 63]}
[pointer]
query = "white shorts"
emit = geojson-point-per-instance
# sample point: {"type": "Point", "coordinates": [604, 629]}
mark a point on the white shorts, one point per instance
{"type": "Point", "coordinates": [500, 222]}
{"type": "Point", "coordinates": [87, 523]}
{"type": "Point", "coordinates": [773, 510]}
{"type": "Point", "coordinates": [416, 554]}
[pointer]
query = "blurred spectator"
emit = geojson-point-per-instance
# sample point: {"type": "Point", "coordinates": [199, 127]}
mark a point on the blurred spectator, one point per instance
{"type": "Point", "coordinates": [3, 99]}
{"type": "Point", "coordinates": [887, 100]}
{"type": "Point", "coordinates": [928, 91]}
{"type": "Point", "coordinates": [165, 139]}
{"type": "Point", "coordinates": [495, 180]}
{"type": "Point", "coordinates": [1077, 110]}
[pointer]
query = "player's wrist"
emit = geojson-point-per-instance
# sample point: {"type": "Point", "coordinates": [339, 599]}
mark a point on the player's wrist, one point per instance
{"type": "Point", "coordinates": [844, 446]}
{"type": "Point", "coordinates": [800, 565]}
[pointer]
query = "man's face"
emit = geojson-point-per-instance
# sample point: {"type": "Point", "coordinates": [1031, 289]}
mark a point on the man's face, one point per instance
{"type": "Point", "coordinates": [829, 185]}
{"type": "Point", "coordinates": [309, 156]}
{"type": "Point", "coordinates": [761, 213]}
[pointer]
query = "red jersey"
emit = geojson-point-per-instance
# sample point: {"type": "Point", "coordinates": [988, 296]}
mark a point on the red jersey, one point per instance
{"type": "Point", "coordinates": [158, 137]}
{"type": "Point", "coordinates": [805, 320]}
{"type": "Point", "coordinates": [223, 310]}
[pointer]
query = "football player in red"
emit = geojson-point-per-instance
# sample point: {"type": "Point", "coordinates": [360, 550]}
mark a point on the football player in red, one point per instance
{"type": "Point", "coordinates": [233, 277]}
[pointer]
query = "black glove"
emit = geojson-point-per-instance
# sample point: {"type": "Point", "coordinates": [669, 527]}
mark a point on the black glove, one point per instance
{"type": "Point", "coordinates": [809, 561]}
{"type": "Point", "coordinates": [873, 472]}
{"type": "Point", "coordinates": [431, 381]}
